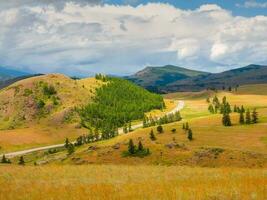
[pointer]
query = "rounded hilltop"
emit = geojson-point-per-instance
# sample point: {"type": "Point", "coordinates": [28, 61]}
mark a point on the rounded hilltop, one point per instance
{"type": "Point", "coordinates": [51, 96]}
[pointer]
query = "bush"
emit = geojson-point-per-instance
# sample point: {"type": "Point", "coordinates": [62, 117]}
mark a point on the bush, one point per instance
{"type": "Point", "coordinates": [40, 103]}
{"type": "Point", "coordinates": [49, 90]}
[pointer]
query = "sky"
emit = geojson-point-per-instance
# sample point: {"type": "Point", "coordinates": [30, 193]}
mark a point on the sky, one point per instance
{"type": "Point", "coordinates": [120, 37]}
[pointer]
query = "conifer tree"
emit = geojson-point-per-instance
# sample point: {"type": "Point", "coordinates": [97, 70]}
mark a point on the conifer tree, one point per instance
{"type": "Point", "coordinates": [226, 120]}
{"type": "Point", "coordinates": [140, 146]}
{"type": "Point", "coordinates": [235, 108]}
{"type": "Point", "coordinates": [190, 135]}
{"type": "Point", "coordinates": [4, 159]}
{"type": "Point", "coordinates": [131, 148]}
{"type": "Point", "coordinates": [241, 118]}
{"type": "Point", "coordinates": [211, 109]}
{"type": "Point", "coordinates": [248, 118]}
{"type": "Point", "coordinates": [67, 142]}
{"type": "Point", "coordinates": [186, 126]}
{"type": "Point", "coordinates": [183, 126]}
{"type": "Point", "coordinates": [254, 116]}
{"type": "Point", "coordinates": [130, 127]}
{"type": "Point", "coordinates": [21, 161]}
{"type": "Point", "coordinates": [152, 135]}
{"type": "Point", "coordinates": [71, 149]}
{"type": "Point", "coordinates": [242, 109]}
{"type": "Point", "coordinates": [125, 128]}
{"type": "Point", "coordinates": [160, 129]}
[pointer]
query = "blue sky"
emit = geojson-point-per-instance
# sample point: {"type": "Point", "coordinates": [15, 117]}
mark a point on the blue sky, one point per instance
{"type": "Point", "coordinates": [84, 37]}
{"type": "Point", "coordinates": [238, 7]}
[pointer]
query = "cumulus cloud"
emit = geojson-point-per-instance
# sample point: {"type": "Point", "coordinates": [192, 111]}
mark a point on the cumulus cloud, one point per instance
{"type": "Point", "coordinates": [80, 38]}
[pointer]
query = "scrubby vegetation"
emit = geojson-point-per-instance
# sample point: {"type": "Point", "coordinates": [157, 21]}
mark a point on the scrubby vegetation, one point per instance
{"type": "Point", "coordinates": [116, 104]}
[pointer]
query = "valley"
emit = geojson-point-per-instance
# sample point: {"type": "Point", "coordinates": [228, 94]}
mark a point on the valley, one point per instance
{"type": "Point", "coordinates": [231, 155]}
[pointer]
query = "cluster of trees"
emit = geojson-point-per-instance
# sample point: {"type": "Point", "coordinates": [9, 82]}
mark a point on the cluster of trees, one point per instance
{"type": "Point", "coordinates": [188, 130]}
{"type": "Point", "coordinates": [101, 77]}
{"type": "Point", "coordinates": [134, 150]}
{"type": "Point", "coordinates": [150, 121]}
{"type": "Point", "coordinates": [245, 116]}
{"type": "Point", "coordinates": [159, 130]}
{"type": "Point", "coordinates": [215, 106]}
{"type": "Point", "coordinates": [115, 104]}
{"type": "Point", "coordinates": [5, 160]}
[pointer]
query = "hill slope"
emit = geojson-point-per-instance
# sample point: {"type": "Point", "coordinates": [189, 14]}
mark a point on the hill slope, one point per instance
{"type": "Point", "coordinates": [251, 74]}
{"type": "Point", "coordinates": [50, 96]}
{"type": "Point", "coordinates": [154, 77]}
{"type": "Point", "coordinates": [173, 79]}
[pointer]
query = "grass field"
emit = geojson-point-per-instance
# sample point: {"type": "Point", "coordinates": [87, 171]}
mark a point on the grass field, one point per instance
{"type": "Point", "coordinates": [220, 163]}
{"type": "Point", "coordinates": [131, 182]}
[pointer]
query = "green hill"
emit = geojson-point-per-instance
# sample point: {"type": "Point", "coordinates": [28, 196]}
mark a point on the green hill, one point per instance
{"type": "Point", "coordinates": [154, 77]}
{"type": "Point", "coordinates": [251, 74]}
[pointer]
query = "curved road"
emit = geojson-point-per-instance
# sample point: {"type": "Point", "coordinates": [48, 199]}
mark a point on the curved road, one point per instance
{"type": "Point", "coordinates": [180, 106]}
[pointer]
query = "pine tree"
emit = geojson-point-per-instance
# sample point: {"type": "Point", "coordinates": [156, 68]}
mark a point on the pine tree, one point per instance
{"type": "Point", "coordinates": [254, 116]}
{"type": "Point", "coordinates": [186, 126]}
{"type": "Point", "coordinates": [160, 129]}
{"type": "Point", "coordinates": [226, 120]}
{"type": "Point", "coordinates": [21, 161]}
{"type": "Point", "coordinates": [140, 146]}
{"type": "Point", "coordinates": [248, 118]}
{"type": "Point", "coordinates": [183, 126]}
{"type": "Point", "coordinates": [241, 118]}
{"type": "Point", "coordinates": [190, 135]}
{"type": "Point", "coordinates": [152, 135]}
{"type": "Point", "coordinates": [71, 149]}
{"type": "Point", "coordinates": [242, 109]}
{"type": "Point", "coordinates": [67, 142]}
{"type": "Point", "coordinates": [130, 127]}
{"type": "Point", "coordinates": [235, 108]}
{"type": "Point", "coordinates": [4, 159]}
{"type": "Point", "coordinates": [211, 109]}
{"type": "Point", "coordinates": [125, 128]}
{"type": "Point", "coordinates": [131, 148]}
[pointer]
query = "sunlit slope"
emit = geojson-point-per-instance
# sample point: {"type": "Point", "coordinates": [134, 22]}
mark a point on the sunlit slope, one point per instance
{"type": "Point", "coordinates": [50, 96]}
{"type": "Point", "coordinates": [213, 144]}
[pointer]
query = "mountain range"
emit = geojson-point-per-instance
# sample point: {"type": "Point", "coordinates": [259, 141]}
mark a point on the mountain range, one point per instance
{"type": "Point", "coordinates": [171, 78]}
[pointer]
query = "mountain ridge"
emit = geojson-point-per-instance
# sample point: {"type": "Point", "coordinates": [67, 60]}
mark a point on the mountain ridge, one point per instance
{"type": "Point", "coordinates": [250, 74]}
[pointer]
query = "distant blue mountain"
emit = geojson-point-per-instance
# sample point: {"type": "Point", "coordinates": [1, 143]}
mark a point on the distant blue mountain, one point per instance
{"type": "Point", "coordinates": [6, 73]}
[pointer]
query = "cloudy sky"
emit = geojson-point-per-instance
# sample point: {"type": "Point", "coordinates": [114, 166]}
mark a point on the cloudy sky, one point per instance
{"type": "Point", "coordinates": [83, 37]}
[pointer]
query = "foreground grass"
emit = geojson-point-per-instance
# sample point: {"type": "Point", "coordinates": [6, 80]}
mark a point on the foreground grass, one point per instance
{"type": "Point", "coordinates": [131, 182]}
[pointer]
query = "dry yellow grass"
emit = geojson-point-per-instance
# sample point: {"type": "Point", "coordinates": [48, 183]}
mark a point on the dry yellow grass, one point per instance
{"type": "Point", "coordinates": [131, 182]}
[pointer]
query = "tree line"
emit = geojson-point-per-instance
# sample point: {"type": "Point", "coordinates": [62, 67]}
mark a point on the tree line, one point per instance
{"type": "Point", "coordinates": [153, 121]}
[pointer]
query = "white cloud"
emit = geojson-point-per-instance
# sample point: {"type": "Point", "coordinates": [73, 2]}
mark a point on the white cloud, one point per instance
{"type": "Point", "coordinates": [81, 38]}
{"type": "Point", "coordinates": [253, 4]}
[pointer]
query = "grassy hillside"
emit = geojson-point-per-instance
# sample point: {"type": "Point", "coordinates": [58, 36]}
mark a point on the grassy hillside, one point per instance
{"type": "Point", "coordinates": [46, 109]}
{"type": "Point", "coordinates": [214, 145]}
{"type": "Point", "coordinates": [219, 163]}
{"type": "Point", "coordinates": [153, 77]}
{"type": "Point", "coordinates": [50, 97]}
{"type": "Point", "coordinates": [130, 182]}
{"type": "Point", "coordinates": [251, 74]}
